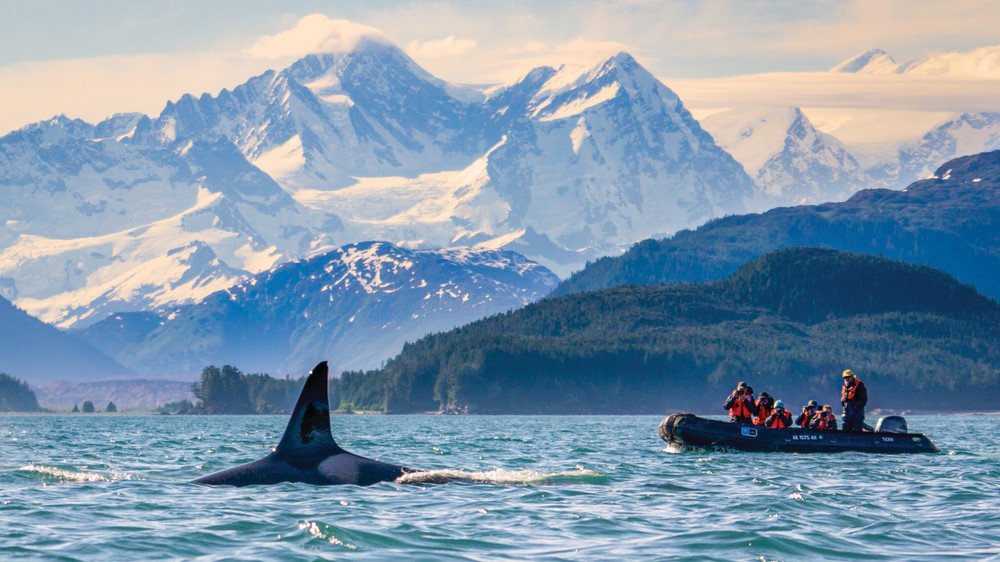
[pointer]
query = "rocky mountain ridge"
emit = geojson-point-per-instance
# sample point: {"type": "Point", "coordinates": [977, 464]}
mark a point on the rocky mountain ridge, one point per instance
{"type": "Point", "coordinates": [139, 214]}
{"type": "Point", "coordinates": [355, 306]}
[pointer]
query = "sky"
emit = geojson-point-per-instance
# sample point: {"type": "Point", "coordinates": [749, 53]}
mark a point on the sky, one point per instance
{"type": "Point", "coordinates": [92, 59]}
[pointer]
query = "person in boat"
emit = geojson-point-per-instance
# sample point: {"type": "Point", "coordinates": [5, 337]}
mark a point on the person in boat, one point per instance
{"type": "Point", "coordinates": [780, 418]}
{"type": "Point", "coordinates": [740, 404]}
{"type": "Point", "coordinates": [807, 415]}
{"type": "Point", "coordinates": [854, 398]}
{"type": "Point", "coordinates": [765, 405]}
{"type": "Point", "coordinates": [825, 419]}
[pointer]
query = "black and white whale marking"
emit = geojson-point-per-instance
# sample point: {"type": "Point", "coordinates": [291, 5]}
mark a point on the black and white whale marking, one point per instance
{"type": "Point", "coordinates": [307, 452]}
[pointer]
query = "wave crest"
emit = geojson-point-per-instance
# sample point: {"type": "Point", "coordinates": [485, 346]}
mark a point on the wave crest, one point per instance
{"type": "Point", "coordinates": [60, 475]}
{"type": "Point", "coordinates": [502, 476]}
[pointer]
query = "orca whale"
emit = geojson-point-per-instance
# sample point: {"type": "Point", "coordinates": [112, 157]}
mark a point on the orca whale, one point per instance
{"type": "Point", "coordinates": [307, 452]}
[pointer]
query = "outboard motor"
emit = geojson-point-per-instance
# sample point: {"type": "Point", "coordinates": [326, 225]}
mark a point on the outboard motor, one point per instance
{"type": "Point", "coordinates": [891, 424]}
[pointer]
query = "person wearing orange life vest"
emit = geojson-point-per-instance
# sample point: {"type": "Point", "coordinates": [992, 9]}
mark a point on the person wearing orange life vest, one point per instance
{"type": "Point", "coordinates": [854, 398]}
{"type": "Point", "coordinates": [808, 413]}
{"type": "Point", "coordinates": [765, 404]}
{"type": "Point", "coordinates": [825, 419]}
{"type": "Point", "coordinates": [740, 404]}
{"type": "Point", "coordinates": [780, 418]}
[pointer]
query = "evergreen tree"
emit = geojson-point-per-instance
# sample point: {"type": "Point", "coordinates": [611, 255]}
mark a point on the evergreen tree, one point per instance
{"type": "Point", "coordinates": [76, 409]}
{"type": "Point", "coordinates": [16, 396]}
{"type": "Point", "coordinates": [111, 407]}
{"type": "Point", "coordinates": [223, 391]}
{"type": "Point", "coordinates": [88, 407]}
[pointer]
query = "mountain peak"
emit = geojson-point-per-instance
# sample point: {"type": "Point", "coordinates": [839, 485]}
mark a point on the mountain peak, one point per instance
{"type": "Point", "coordinates": [568, 78]}
{"type": "Point", "coordinates": [872, 61]}
{"type": "Point", "coordinates": [366, 52]}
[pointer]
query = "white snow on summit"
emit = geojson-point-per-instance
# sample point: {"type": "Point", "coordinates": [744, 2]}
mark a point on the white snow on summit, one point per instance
{"type": "Point", "coordinates": [786, 155]}
{"type": "Point", "coordinates": [874, 61]}
{"type": "Point", "coordinates": [979, 63]}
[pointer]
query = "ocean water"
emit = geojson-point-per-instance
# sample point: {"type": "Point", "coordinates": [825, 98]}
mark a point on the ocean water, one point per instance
{"type": "Point", "coordinates": [116, 487]}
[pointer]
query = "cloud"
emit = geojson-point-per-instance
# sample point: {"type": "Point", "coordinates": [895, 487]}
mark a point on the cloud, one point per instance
{"type": "Point", "coordinates": [904, 28]}
{"type": "Point", "coordinates": [832, 89]}
{"type": "Point", "coordinates": [536, 47]}
{"type": "Point", "coordinates": [447, 47]}
{"type": "Point", "coordinates": [314, 33]}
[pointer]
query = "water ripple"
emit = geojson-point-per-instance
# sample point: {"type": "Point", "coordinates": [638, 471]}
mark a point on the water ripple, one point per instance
{"type": "Point", "coordinates": [496, 488]}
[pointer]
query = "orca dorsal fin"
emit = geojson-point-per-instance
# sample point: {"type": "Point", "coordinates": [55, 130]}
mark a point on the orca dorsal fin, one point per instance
{"type": "Point", "coordinates": [308, 433]}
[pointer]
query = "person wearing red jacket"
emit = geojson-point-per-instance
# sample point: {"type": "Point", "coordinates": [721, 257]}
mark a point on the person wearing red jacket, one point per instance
{"type": "Point", "coordinates": [825, 420]}
{"type": "Point", "coordinates": [780, 418]}
{"type": "Point", "coordinates": [807, 415]}
{"type": "Point", "coordinates": [740, 404]}
{"type": "Point", "coordinates": [765, 404]}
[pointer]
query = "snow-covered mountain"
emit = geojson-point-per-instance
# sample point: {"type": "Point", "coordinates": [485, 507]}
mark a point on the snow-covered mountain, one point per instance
{"type": "Point", "coordinates": [331, 118]}
{"type": "Point", "coordinates": [582, 162]}
{"type": "Point", "coordinates": [969, 133]}
{"type": "Point", "coordinates": [355, 305]}
{"type": "Point", "coordinates": [872, 61]}
{"type": "Point", "coordinates": [105, 218]}
{"type": "Point", "coordinates": [796, 164]}
{"type": "Point", "coordinates": [139, 213]}
{"type": "Point", "coordinates": [786, 155]}
{"type": "Point", "coordinates": [982, 63]}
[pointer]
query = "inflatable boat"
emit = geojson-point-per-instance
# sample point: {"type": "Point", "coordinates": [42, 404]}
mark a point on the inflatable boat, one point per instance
{"type": "Point", "coordinates": [889, 436]}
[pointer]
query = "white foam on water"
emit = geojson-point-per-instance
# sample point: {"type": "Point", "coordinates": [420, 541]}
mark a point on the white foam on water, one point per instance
{"type": "Point", "coordinates": [323, 531]}
{"type": "Point", "coordinates": [71, 476]}
{"type": "Point", "coordinates": [499, 476]}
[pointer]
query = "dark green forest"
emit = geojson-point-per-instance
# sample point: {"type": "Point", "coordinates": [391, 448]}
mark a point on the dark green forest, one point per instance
{"type": "Point", "coordinates": [229, 391]}
{"type": "Point", "coordinates": [788, 324]}
{"type": "Point", "coordinates": [16, 396]}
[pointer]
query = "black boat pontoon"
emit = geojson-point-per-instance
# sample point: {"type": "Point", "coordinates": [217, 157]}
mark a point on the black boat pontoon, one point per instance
{"type": "Point", "coordinates": [890, 436]}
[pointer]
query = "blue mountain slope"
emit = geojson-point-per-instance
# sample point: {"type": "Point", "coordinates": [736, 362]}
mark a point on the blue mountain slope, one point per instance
{"type": "Point", "coordinates": [948, 222]}
{"type": "Point", "coordinates": [36, 352]}
{"type": "Point", "coordinates": [357, 306]}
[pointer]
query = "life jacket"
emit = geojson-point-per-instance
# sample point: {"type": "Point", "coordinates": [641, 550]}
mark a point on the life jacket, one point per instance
{"type": "Point", "coordinates": [781, 420]}
{"type": "Point", "coordinates": [847, 392]}
{"type": "Point", "coordinates": [740, 408]}
{"type": "Point", "coordinates": [824, 421]}
{"type": "Point", "coordinates": [763, 411]}
{"type": "Point", "coordinates": [809, 417]}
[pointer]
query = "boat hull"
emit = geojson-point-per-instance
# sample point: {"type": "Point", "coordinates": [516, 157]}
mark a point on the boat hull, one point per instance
{"type": "Point", "coordinates": [688, 430]}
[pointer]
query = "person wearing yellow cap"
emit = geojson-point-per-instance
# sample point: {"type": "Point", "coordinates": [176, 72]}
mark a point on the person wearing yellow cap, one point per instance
{"type": "Point", "coordinates": [854, 398]}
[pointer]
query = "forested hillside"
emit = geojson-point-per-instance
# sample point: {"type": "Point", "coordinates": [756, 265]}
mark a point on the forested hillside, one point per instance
{"type": "Point", "coordinates": [16, 396]}
{"type": "Point", "coordinates": [36, 352]}
{"type": "Point", "coordinates": [787, 323]}
{"type": "Point", "coordinates": [948, 221]}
